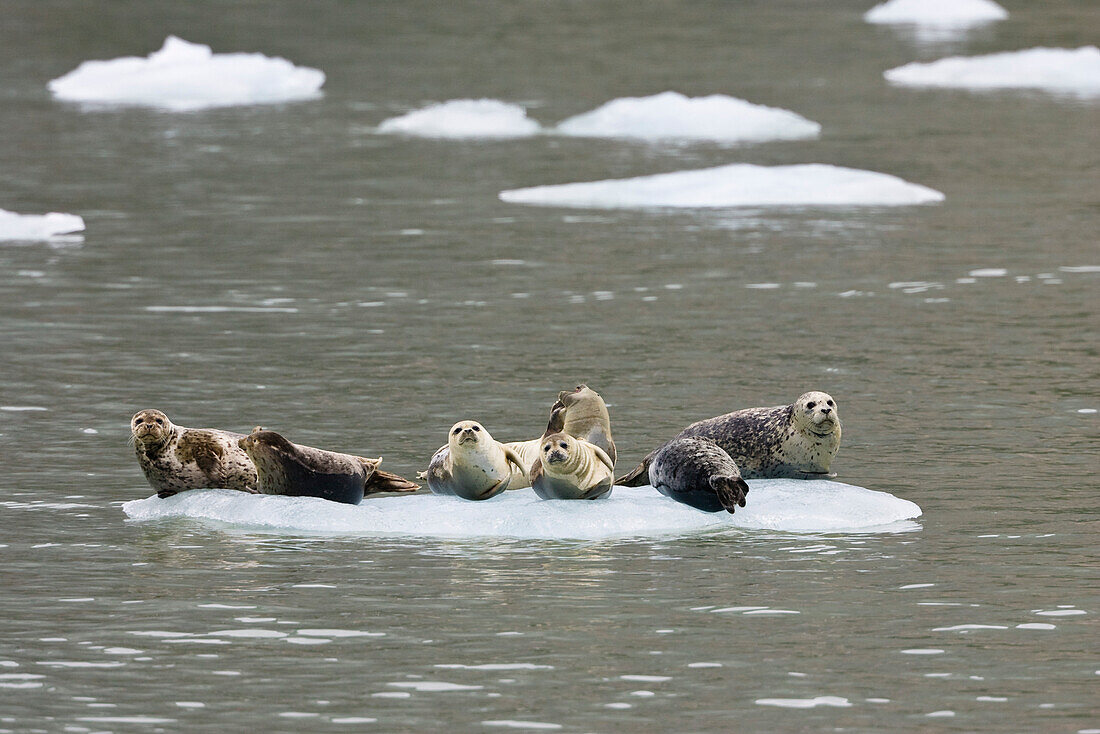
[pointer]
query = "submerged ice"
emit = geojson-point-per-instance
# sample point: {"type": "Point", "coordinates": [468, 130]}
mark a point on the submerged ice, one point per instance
{"type": "Point", "coordinates": [774, 504]}
{"type": "Point", "coordinates": [464, 119]}
{"type": "Point", "coordinates": [674, 117]}
{"type": "Point", "coordinates": [185, 76]}
{"type": "Point", "coordinates": [734, 185]}
{"type": "Point", "coordinates": [1073, 72]}
{"type": "Point", "coordinates": [33, 227]}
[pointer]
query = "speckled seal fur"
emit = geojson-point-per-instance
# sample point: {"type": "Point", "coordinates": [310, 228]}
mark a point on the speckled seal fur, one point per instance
{"type": "Point", "coordinates": [580, 412]}
{"type": "Point", "coordinates": [302, 471]}
{"type": "Point", "coordinates": [796, 441]}
{"type": "Point", "coordinates": [472, 465]}
{"type": "Point", "coordinates": [697, 472]}
{"type": "Point", "coordinates": [176, 459]}
{"type": "Point", "coordinates": [570, 468]}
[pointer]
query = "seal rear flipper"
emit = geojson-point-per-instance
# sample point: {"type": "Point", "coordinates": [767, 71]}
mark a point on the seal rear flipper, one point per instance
{"type": "Point", "coordinates": [731, 492]}
{"type": "Point", "coordinates": [384, 481]}
{"type": "Point", "coordinates": [639, 477]}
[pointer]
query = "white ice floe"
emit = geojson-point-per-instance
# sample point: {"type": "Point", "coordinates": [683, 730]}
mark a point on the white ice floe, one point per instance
{"type": "Point", "coordinates": [672, 116]}
{"type": "Point", "coordinates": [1073, 72]}
{"type": "Point", "coordinates": [34, 227]}
{"type": "Point", "coordinates": [773, 504]}
{"type": "Point", "coordinates": [936, 13]}
{"type": "Point", "coordinates": [184, 76]}
{"type": "Point", "coordinates": [734, 185]}
{"type": "Point", "coordinates": [464, 119]}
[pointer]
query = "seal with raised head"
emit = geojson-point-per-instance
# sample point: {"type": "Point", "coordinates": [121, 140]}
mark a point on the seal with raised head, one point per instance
{"type": "Point", "coordinates": [580, 412]}
{"type": "Point", "coordinates": [472, 465]}
{"type": "Point", "coordinates": [570, 468]}
{"type": "Point", "coordinates": [175, 459]}
{"type": "Point", "coordinates": [796, 441]}
{"type": "Point", "coordinates": [302, 471]}
{"type": "Point", "coordinates": [697, 472]}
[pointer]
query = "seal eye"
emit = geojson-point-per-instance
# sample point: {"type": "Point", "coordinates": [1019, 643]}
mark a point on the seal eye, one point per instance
{"type": "Point", "coordinates": [159, 422]}
{"type": "Point", "coordinates": [477, 428]}
{"type": "Point", "coordinates": [830, 402]}
{"type": "Point", "coordinates": [457, 431]}
{"type": "Point", "coordinates": [564, 445]}
{"type": "Point", "coordinates": [810, 406]}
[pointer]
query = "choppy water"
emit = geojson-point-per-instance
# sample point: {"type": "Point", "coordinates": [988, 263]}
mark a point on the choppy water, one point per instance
{"type": "Point", "coordinates": [287, 266]}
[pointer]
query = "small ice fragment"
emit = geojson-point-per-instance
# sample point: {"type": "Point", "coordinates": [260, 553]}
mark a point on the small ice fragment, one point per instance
{"type": "Point", "coordinates": [1073, 72]}
{"type": "Point", "coordinates": [37, 227]}
{"type": "Point", "coordinates": [464, 119]}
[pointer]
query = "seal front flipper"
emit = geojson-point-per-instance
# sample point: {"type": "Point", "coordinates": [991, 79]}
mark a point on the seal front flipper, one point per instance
{"type": "Point", "coordinates": [514, 458]}
{"type": "Point", "coordinates": [598, 491]}
{"type": "Point", "coordinates": [639, 477]}
{"type": "Point", "coordinates": [731, 492]}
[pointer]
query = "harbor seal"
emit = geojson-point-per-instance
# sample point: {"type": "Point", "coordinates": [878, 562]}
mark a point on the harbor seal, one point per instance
{"type": "Point", "coordinates": [570, 468]}
{"type": "Point", "coordinates": [302, 471]}
{"type": "Point", "coordinates": [175, 459]}
{"type": "Point", "coordinates": [472, 465]}
{"type": "Point", "coordinates": [796, 441]}
{"type": "Point", "coordinates": [580, 412]}
{"type": "Point", "coordinates": [697, 472]}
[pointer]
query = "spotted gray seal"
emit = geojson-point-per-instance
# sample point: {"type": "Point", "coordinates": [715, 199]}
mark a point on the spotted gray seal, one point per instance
{"type": "Point", "coordinates": [472, 465]}
{"type": "Point", "coordinates": [175, 458]}
{"type": "Point", "coordinates": [697, 472]}
{"type": "Point", "coordinates": [570, 468]}
{"type": "Point", "coordinates": [302, 471]}
{"type": "Point", "coordinates": [796, 441]}
{"type": "Point", "coordinates": [580, 412]}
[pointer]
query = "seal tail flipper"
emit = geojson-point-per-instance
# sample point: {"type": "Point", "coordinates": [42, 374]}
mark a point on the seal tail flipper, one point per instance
{"type": "Point", "coordinates": [384, 481]}
{"type": "Point", "coordinates": [731, 492]}
{"type": "Point", "coordinates": [639, 477]}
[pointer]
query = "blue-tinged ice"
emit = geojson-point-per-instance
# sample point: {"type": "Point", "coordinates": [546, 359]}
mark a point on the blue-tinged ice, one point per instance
{"type": "Point", "coordinates": [783, 505]}
{"type": "Point", "coordinates": [185, 76]}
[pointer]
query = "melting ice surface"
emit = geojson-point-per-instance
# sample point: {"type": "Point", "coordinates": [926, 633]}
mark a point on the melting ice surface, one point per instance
{"type": "Point", "coordinates": [37, 226]}
{"type": "Point", "coordinates": [937, 13]}
{"type": "Point", "coordinates": [672, 116]}
{"type": "Point", "coordinates": [773, 504]}
{"type": "Point", "coordinates": [1063, 71]}
{"type": "Point", "coordinates": [464, 119]}
{"type": "Point", "coordinates": [738, 184]}
{"type": "Point", "coordinates": [185, 76]}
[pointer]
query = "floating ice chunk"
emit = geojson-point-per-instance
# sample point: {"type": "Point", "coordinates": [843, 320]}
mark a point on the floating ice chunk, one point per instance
{"type": "Point", "coordinates": [1059, 70]}
{"type": "Point", "coordinates": [950, 13]}
{"type": "Point", "coordinates": [773, 504]}
{"type": "Point", "coordinates": [674, 117]}
{"type": "Point", "coordinates": [734, 185]}
{"type": "Point", "coordinates": [464, 119]}
{"type": "Point", "coordinates": [184, 76]}
{"type": "Point", "coordinates": [33, 227]}
{"type": "Point", "coordinates": [804, 703]}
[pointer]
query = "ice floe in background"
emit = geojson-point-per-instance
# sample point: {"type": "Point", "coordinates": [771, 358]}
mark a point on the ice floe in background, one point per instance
{"type": "Point", "coordinates": [1074, 72]}
{"type": "Point", "coordinates": [35, 227]}
{"type": "Point", "coordinates": [937, 20]}
{"type": "Point", "coordinates": [184, 76]}
{"type": "Point", "coordinates": [464, 119]}
{"type": "Point", "coordinates": [671, 116]}
{"type": "Point", "coordinates": [773, 504]}
{"type": "Point", "coordinates": [734, 185]}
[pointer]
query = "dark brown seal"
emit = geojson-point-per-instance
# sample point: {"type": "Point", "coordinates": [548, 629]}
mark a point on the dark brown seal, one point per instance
{"type": "Point", "coordinates": [796, 441]}
{"type": "Point", "coordinates": [302, 471]}
{"type": "Point", "coordinates": [176, 459]}
{"type": "Point", "coordinates": [697, 472]}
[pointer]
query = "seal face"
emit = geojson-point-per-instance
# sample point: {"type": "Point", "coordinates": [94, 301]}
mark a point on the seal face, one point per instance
{"type": "Point", "coordinates": [472, 465]}
{"type": "Point", "coordinates": [796, 441]}
{"type": "Point", "coordinates": [570, 468]}
{"type": "Point", "coordinates": [697, 472]}
{"type": "Point", "coordinates": [580, 412]}
{"type": "Point", "coordinates": [175, 459]}
{"type": "Point", "coordinates": [302, 471]}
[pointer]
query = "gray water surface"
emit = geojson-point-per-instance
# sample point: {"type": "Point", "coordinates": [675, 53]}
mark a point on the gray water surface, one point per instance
{"type": "Point", "coordinates": [375, 291]}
